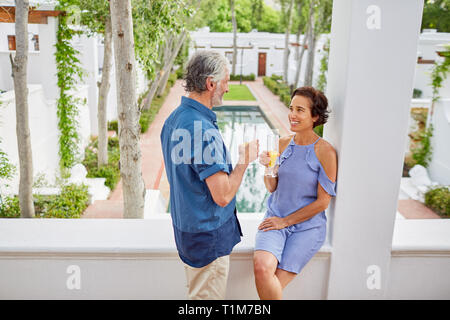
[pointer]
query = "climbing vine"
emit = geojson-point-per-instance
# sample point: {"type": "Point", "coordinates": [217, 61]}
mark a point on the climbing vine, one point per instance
{"type": "Point", "coordinates": [440, 72]}
{"type": "Point", "coordinates": [322, 79]}
{"type": "Point", "coordinates": [69, 72]}
{"type": "Point", "coordinates": [423, 153]}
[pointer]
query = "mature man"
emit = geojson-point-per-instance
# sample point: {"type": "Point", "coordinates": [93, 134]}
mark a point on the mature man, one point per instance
{"type": "Point", "coordinates": [203, 183]}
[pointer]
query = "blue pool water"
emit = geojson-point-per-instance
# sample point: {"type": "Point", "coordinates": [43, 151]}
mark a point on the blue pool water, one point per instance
{"type": "Point", "coordinates": [252, 195]}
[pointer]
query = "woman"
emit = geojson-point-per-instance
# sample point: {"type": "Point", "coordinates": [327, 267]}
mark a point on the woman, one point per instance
{"type": "Point", "coordinates": [294, 227]}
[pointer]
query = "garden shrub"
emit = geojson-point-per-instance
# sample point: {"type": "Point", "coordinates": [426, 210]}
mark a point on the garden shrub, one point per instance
{"type": "Point", "coordinates": [110, 171]}
{"type": "Point", "coordinates": [438, 200]}
{"type": "Point", "coordinates": [70, 203]}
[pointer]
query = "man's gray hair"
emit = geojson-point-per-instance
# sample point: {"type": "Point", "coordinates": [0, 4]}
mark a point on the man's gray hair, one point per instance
{"type": "Point", "coordinates": [204, 64]}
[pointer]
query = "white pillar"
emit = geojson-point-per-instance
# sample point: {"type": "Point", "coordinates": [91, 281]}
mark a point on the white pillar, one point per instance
{"type": "Point", "coordinates": [370, 84]}
{"type": "Point", "coordinates": [47, 59]}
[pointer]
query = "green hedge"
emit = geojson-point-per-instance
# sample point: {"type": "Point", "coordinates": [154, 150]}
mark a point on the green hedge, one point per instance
{"type": "Point", "coordinates": [279, 88]}
{"type": "Point", "coordinates": [70, 203]}
{"type": "Point", "coordinates": [438, 200]}
{"type": "Point", "coordinates": [110, 171]}
{"type": "Point", "coordinates": [237, 77]}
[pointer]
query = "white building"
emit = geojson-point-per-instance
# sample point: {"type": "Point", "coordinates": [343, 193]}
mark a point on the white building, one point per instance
{"type": "Point", "coordinates": [44, 92]}
{"type": "Point", "coordinates": [260, 53]}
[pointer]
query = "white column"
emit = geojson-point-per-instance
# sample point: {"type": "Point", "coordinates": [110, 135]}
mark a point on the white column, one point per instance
{"type": "Point", "coordinates": [370, 84]}
{"type": "Point", "coordinates": [47, 41]}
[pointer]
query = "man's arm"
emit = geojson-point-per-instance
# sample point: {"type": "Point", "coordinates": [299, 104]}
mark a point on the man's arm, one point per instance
{"type": "Point", "coordinates": [223, 187]}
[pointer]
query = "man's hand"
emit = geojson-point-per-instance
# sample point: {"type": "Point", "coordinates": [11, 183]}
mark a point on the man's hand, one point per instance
{"type": "Point", "coordinates": [273, 223]}
{"type": "Point", "coordinates": [248, 152]}
{"type": "Point", "coordinates": [264, 158]}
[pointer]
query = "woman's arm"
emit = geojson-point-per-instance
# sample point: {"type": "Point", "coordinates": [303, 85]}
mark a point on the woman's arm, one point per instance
{"type": "Point", "coordinates": [271, 183]}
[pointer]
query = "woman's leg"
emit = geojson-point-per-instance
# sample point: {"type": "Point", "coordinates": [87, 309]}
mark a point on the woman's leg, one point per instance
{"type": "Point", "coordinates": [267, 283]}
{"type": "Point", "coordinates": [284, 277]}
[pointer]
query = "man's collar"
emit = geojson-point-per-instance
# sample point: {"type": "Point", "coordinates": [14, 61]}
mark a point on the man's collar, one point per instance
{"type": "Point", "coordinates": [199, 107]}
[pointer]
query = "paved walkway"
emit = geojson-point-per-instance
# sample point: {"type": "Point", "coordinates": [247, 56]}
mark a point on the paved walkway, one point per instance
{"type": "Point", "coordinates": [152, 160]}
{"type": "Point", "coordinates": [153, 165]}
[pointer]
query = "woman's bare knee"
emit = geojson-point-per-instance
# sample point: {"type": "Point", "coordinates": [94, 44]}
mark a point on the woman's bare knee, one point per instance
{"type": "Point", "coordinates": [264, 264]}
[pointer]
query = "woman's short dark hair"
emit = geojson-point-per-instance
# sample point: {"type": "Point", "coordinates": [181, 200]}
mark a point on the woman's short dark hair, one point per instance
{"type": "Point", "coordinates": [319, 103]}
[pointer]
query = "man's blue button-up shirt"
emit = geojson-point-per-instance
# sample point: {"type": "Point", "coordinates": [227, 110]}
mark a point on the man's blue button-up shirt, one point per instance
{"type": "Point", "coordinates": [193, 150]}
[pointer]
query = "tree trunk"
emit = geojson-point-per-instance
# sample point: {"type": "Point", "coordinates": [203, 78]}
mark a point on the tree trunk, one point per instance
{"type": "Point", "coordinates": [310, 64]}
{"type": "Point", "coordinates": [286, 42]}
{"type": "Point", "coordinates": [19, 73]}
{"type": "Point", "coordinates": [311, 47]}
{"type": "Point", "coordinates": [152, 91]}
{"type": "Point", "coordinates": [299, 63]}
{"type": "Point", "coordinates": [103, 96]}
{"type": "Point", "coordinates": [233, 20]}
{"type": "Point", "coordinates": [168, 67]}
{"type": "Point", "coordinates": [128, 111]}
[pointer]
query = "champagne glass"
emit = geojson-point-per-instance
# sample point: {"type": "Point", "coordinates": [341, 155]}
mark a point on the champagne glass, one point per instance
{"type": "Point", "coordinates": [273, 149]}
{"type": "Point", "coordinates": [249, 132]}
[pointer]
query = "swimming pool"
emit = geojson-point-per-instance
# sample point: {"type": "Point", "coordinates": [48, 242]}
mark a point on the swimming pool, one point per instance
{"type": "Point", "coordinates": [231, 120]}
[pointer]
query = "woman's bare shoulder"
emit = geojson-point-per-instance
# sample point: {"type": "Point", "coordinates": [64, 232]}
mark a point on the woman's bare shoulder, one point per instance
{"type": "Point", "coordinates": [327, 156]}
{"type": "Point", "coordinates": [284, 141]}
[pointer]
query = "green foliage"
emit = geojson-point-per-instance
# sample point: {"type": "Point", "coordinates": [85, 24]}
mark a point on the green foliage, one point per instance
{"type": "Point", "coordinates": [278, 87]}
{"type": "Point", "coordinates": [7, 170]}
{"type": "Point", "coordinates": [69, 72]}
{"type": "Point", "coordinates": [440, 72]}
{"type": "Point", "coordinates": [319, 130]}
{"type": "Point", "coordinates": [147, 116]}
{"type": "Point", "coordinates": [153, 20]}
{"type": "Point", "coordinates": [237, 77]}
{"type": "Point", "coordinates": [113, 125]}
{"type": "Point", "coordinates": [110, 171]}
{"type": "Point", "coordinates": [322, 78]}
{"type": "Point", "coordinates": [422, 153]}
{"type": "Point", "coordinates": [417, 93]}
{"type": "Point", "coordinates": [70, 203]}
{"type": "Point", "coordinates": [436, 15]}
{"type": "Point", "coordinates": [250, 14]}
{"type": "Point", "coordinates": [438, 200]}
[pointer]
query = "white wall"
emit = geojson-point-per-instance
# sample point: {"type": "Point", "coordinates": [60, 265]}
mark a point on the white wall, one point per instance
{"type": "Point", "coordinates": [137, 259]}
{"type": "Point", "coordinates": [44, 131]}
{"type": "Point", "coordinates": [8, 29]}
{"type": "Point", "coordinates": [439, 167]}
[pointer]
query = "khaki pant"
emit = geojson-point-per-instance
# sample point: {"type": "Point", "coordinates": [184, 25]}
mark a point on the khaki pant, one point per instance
{"type": "Point", "coordinates": [208, 282]}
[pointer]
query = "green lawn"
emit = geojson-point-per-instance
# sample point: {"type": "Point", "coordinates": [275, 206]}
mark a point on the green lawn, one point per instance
{"type": "Point", "coordinates": [238, 92]}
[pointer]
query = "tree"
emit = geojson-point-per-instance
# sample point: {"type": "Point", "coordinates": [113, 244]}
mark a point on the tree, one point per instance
{"type": "Point", "coordinates": [128, 111]}
{"type": "Point", "coordinates": [233, 20]}
{"type": "Point", "coordinates": [286, 9]}
{"type": "Point", "coordinates": [96, 17]}
{"type": "Point", "coordinates": [301, 29]}
{"type": "Point", "coordinates": [436, 15]}
{"type": "Point", "coordinates": [159, 34]}
{"type": "Point", "coordinates": [19, 73]}
{"type": "Point", "coordinates": [250, 14]}
{"type": "Point", "coordinates": [320, 22]}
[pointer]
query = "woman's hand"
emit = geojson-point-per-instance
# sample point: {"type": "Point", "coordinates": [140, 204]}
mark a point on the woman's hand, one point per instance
{"type": "Point", "coordinates": [273, 223]}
